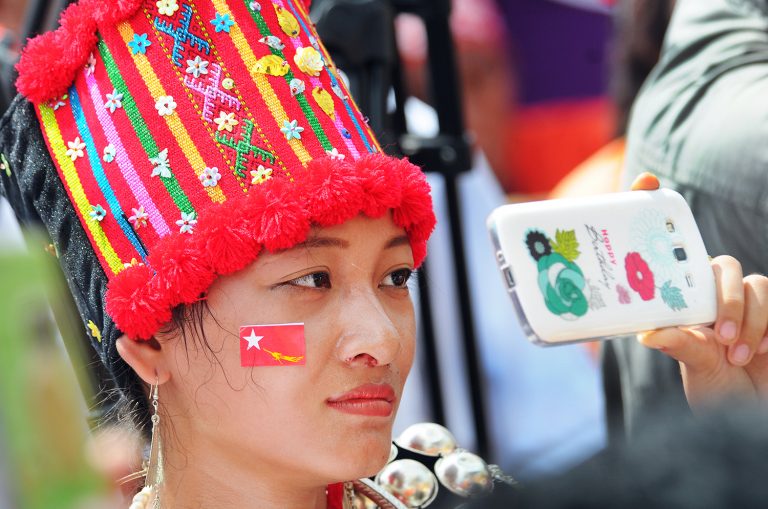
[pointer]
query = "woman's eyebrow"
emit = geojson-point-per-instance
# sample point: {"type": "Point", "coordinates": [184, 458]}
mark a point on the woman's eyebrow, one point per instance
{"type": "Point", "coordinates": [321, 241]}
{"type": "Point", "coordinates": [400, 240]}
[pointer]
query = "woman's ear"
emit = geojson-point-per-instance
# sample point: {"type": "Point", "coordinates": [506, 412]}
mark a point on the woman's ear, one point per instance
{"type": "Point", "coordinates": [146, 358]}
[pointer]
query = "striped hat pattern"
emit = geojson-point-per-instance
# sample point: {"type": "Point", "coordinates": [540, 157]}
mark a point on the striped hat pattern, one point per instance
{"type": "Point", "coordinates": [192, 134]}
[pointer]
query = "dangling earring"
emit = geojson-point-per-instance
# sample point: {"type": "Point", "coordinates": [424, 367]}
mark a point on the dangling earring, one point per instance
{"type": "Point", "coordinates": [153, 469]}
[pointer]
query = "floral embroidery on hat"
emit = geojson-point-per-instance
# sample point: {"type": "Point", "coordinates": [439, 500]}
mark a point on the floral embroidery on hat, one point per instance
{"type": "Point", "coordinates": [255, 6]}
{"type": "Point", "coordinates": [161, 165]}
{"type": "Point", "coordinates": [97, 213]}
{"type": "Point", "coordinates": [139, 217]}
{"type": "Point", "coordinates": [4, 165]}
{"type": "Point", "coordinates": [133, 263]}
{"type": "Point", "coordinates": [187, 222]}
{"type": "Point", "coordinates": [90, 65]}
{"type": "Point", "coordinates": [75, 149]}
{"type": "Point", "coordinates": [167, 7]}
{"type": "Point", "coordinates": [109, 153]}
{"type": "Point", "coordinates": [309, 60]}
{"type": "Point", "coordinates": [210, 176]}
{"type": "Point", "coordinates": [261, 174]}
{"type": "Point", "coordinates": [273, 42]}
{"type": "Point", "coordinates": [325, 101]}
{"type": "Point", "coordinates": [288, 21]}
{"type": "Point", "coordinates": [338, 91]}
{"type": "Point", "coordinates": [226, 121]}
{"type": "Point", "coordinates": [197, 66]}
{"type": "Point", "coordinates": [139, 44]}
{"type": "Point", "coordinates": [228, 83]}
{"type": "Point", "coordinates": [272, 65]}
{"type": "Point", "coordinates": [58, 103]}
{"type": "Point", "coordinates": [114, 101]}
{"type": "Point", "coordinates": [222, 22]}
{"type": "Point", "coordinates": [297, 86]}
{"type": "Point", "coordinates": [335, 154]}
{"type": "Point", "coordinates": [165, 105]}
{"type": "Point", "coordinates": [291, 130]}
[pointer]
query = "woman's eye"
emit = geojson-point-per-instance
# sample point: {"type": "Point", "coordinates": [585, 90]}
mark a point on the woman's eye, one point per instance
{"type": "Point", "coordinates": [314, 280]}
{"type": "Point", "coordinates": [398, 278]}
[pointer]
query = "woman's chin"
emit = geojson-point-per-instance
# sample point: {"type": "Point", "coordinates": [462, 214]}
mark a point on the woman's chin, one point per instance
{"type": "Point", "coordinates": [363, 461]}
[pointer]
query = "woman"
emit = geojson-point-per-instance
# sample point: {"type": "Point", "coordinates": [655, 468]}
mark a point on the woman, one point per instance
{"type": "Point", "coordinates": [235, 240]}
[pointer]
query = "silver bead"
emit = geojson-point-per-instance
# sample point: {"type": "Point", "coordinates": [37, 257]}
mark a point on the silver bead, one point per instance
{"type": "Point", "coordinates": [464, 473]}
{"type": "Point", "coordinates": [410, 481]}
{"type": "Point", "coordinates": [427, 438]}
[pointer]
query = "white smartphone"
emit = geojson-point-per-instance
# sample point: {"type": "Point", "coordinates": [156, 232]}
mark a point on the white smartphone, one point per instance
{"type": "Point", "coordinates": [591, 268]}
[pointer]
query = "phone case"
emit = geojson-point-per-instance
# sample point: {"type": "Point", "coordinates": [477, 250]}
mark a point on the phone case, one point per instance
{"type": "Point", "coordinates": [582, 269]}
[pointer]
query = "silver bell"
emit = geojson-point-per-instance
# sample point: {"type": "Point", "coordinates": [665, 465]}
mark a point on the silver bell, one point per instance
{"type": "Point", "coordinates": [410, 481]}
{"type": "Point", "coordinates": [392, 453]}
{"type": "Point", "coordinates": [427, 438]}
{"type": "Point", "coordinates": [464, 473]}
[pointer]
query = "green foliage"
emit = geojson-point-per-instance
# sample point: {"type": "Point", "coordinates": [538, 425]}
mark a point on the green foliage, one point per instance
{"type": "Point", "coordinates": [565, 244]}
{"type": "Point", "coordinates": [673, 296]}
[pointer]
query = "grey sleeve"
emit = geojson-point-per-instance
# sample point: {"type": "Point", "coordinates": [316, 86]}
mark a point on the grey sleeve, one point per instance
{"type": "Point", "coordinates": [701, 123]}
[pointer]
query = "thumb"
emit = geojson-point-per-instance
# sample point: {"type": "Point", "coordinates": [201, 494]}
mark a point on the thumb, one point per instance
{"type": "Point", "coordinates": [645, 182]}
{"type": "Point", "coordinates": [694, 347]}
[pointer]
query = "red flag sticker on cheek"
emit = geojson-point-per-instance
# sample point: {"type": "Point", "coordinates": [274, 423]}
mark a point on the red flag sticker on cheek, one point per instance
{"type": "Point", "coordinates": [272, 345]}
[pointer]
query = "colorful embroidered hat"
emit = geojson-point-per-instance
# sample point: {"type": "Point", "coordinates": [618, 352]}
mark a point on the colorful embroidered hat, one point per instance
{"type": "Point", "coordinates": [191, 134]}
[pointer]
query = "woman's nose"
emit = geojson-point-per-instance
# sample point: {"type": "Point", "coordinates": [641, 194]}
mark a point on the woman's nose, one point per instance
{"type": "Point", "coordinates": [368, 336]}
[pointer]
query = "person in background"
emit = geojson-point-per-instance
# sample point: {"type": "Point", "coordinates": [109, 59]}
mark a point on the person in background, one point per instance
{"type": "Point", "coordinates": [699, 123]}
{"type": "Point", "coordinates": [524, 385]}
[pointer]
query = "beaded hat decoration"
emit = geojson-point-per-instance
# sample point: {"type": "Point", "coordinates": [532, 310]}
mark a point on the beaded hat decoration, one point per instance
{"type": "Point", "coordinates": [192, 134]}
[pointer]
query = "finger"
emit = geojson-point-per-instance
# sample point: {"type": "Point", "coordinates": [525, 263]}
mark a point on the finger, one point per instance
{"type": "Point", "coordinates": [730, 298]}
{"type": "Point", "coordinates": [645, 182]}
{"type": "Point", "coordinates": [696, 348]}
{"type": "Point", "coordinates": [754, 321]}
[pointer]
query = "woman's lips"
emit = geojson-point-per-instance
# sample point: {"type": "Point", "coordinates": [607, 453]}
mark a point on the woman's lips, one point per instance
{"type": "Point", "coordinates": [377, 400]}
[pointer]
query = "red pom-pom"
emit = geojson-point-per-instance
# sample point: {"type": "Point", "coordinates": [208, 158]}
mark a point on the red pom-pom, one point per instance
{"type": "Point", "coordinates": [230, 247]}
{"type": "Point", "coordinates": [183, 271]}
{"type": "Point", "coordinates": [50, 62]}
{"type": "Point", "coordinates": [416, 203]}
{"type": "Point", "coordinates": [77, 36]}
{"type": "Point", "coordinates": [132, 305]}
{"type": "Point", "coordinates": [381, 177]}
{"type": "Point", "coordinates": [280, 219]}
{"type": "Point", "coordinates": [110, 12]}
{"type": "Point", "coordinates": [42, 69]}
{"type": "Point", "coordinates": [332, 191]}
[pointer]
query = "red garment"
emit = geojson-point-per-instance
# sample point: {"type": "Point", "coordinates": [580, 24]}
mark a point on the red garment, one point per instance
{"type": "Point", "coordinates": [335, 496]}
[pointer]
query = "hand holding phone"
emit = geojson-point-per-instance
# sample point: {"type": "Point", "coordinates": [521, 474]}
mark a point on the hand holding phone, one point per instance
{"type": "Point", "coordinates": [592, 268]}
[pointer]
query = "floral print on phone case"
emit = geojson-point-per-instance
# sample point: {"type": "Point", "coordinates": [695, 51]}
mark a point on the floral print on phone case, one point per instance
{"type": "Point", "coordinates": [560, 279]}
{"type": "Point", "coordinates": [568, 293]}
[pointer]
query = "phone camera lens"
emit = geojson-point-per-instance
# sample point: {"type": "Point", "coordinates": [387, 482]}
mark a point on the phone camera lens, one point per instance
{"type": "Point", "coordinates": [680, 254]}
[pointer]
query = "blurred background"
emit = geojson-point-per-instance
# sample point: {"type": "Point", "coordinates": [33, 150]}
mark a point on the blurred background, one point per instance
{"type": "Point", "coordinates": [499, 100]}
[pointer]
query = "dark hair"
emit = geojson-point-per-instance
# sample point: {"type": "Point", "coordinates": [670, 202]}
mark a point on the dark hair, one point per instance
{"type": "Point", "coordinates": [132, 404]}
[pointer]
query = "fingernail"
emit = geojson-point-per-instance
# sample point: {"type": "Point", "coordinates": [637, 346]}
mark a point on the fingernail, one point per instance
{"type": "Point", "coordinates": [763, 348]}
{"type": "Point", "coordinates": [740, 354]}
{"type": "Point", "coordinates": [728, 331]}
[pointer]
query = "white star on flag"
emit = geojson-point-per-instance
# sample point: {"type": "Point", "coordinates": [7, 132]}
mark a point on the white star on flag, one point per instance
{"type": "Point", "coordinates": [253, 340]}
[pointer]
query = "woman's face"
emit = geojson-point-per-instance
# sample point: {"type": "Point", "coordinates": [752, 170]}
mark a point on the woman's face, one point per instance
{"type": "Point", "coordinates": [346, 284]}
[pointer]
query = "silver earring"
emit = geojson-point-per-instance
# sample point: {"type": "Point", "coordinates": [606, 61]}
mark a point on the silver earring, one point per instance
{"type": "Point", "coordinates": [153, 468]}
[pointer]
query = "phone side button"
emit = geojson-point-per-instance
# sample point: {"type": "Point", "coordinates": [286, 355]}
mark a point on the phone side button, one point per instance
{"type": "Point", "coordinates": [508, 277]}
